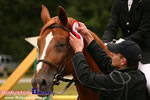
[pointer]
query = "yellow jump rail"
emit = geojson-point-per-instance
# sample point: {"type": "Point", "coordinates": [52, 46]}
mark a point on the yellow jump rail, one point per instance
{"type": "Point", "coordinates": [57, 97]}
{"type": "Point", "coordinates": [65, 97]}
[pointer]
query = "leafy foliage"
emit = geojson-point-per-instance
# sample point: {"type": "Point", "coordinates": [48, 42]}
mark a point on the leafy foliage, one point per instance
{"type": "Point", "coordinates": [21, 18]}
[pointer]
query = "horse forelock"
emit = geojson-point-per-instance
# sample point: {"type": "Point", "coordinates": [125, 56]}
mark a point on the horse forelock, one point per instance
{"type": "Point", "coordinates": [46, 26]}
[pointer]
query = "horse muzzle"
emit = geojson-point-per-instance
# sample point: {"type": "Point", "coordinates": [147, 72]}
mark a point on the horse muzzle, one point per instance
{"type": "Point", "coordinates": [42, 87]}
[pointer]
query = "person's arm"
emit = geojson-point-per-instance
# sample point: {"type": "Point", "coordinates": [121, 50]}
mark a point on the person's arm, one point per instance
{"type": "Point", "coordinates": [111, 30]}
{"type": "Point", "coordinates": [100, 57]}
{"type": "Point", "coordinates": [109, 85]}
{"type": "Point", "coordinates": [144, 27]}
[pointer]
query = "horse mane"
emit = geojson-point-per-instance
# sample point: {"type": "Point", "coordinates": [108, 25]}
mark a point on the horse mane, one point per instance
{"type": "Point", "coordinates": [50, 22]}
{"type": "Point", "coordinates": [100, 42]}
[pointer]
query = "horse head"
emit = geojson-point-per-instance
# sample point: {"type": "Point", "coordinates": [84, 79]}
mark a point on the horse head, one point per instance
{"type": "Point", "coordinates": [54, 50]}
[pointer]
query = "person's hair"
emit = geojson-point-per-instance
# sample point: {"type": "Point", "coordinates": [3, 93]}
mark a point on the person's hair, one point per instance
{"type": "Point", "coordinates": [133, 65]}
{"type": "Point", "coordinates": [130, 64]}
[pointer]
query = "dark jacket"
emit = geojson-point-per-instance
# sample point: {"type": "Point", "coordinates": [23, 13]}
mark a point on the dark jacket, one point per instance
{"type": "Point", "coordinates": [134, 24]}
{"type": "Point", "coordinates": [124, 84]}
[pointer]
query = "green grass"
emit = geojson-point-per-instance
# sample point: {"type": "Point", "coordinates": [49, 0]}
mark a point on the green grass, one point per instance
{"type": "Point", "coordinates": [70, 91]}
{"type": "Point", "coordinates": [28, 87]}
{"type": "Point", "coordinates": [22, 87]}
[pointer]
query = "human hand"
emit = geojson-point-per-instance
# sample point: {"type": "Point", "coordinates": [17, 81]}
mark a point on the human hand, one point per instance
{"type": "Point", "coordinates": [76, 43]}
{"type": "Point", "coordinates": [117, 41]}
{"type": "Point", "coordinates": [82, 29]}
{"type": "Point", "coordinates": [120, 40]}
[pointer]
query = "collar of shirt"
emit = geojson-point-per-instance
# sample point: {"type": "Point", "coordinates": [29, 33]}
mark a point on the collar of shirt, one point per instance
{"type": "Point", "coordinates": [126, 69]}
{"type": "Point", "coordinates": [130, 4]}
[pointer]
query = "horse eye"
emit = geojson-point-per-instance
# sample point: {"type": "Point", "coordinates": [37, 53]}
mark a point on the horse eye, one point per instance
{"type": "Point", "coordinates": [60, 47]}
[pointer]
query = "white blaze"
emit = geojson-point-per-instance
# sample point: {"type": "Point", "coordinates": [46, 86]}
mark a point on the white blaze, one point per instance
{"type": "Point", "coordinates": [48, 40]}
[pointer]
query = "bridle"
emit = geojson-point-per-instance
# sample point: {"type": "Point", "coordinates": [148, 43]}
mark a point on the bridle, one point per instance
{"type": "Point", "coordinates": [61, 66]}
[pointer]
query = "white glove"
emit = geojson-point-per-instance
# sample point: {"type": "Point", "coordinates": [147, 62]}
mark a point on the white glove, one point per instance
{"type": "Point", "coordinates": [120, 40]}
{"type": "Point", "coordinates": [105, 44]}
{"type": "Point", "coordinates": [116, 41]}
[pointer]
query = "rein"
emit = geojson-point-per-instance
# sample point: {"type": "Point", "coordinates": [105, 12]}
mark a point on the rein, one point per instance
{"type": "Point", "coordinates": [60, 68]}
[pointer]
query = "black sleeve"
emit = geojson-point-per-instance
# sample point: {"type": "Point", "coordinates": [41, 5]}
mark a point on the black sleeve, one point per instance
{"type": "Point", "coordinates": [144, 27]}
{"type": "Point", "coordinates": [108, 85]}
{"type": "Point", "coordinates": [100, 57]}
{"type": "Point", "coordinates": [112, 27]}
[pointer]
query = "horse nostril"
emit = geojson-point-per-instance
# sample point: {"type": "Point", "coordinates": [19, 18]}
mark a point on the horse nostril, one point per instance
{"type": "Point", "coordinates": [40, 83]}
{"type": "Point", "coordinates": [43, 83]}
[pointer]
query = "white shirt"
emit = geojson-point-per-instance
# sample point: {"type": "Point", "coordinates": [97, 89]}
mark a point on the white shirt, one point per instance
{"type": "Point", "coordinates": [130, 4]}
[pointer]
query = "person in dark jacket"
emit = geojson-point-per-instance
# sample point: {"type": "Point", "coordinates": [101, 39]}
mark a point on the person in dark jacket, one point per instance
{"type": "Point", "coordinates": [133, 18]}
{"type": "Point", "coordinates": [121, 80]}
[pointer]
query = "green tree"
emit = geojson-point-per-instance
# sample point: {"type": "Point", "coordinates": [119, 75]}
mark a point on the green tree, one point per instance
{"type": "Point", "coordinates": [21, 18]}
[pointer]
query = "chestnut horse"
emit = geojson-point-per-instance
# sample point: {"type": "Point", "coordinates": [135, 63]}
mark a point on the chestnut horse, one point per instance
{"type": "Point", "coordinates": [55, 54]}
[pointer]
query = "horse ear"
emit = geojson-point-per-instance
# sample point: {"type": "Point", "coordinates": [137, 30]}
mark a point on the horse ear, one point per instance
{"type": "Point", "coordinates": [62, 15]}
{"type": "Point", "coordinates": [45, 16]}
